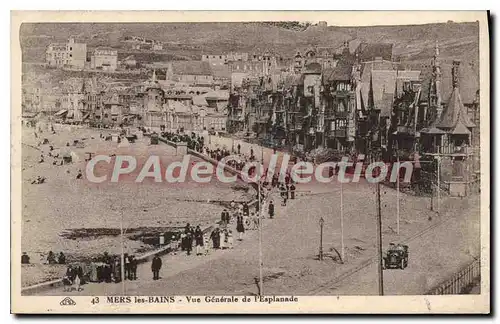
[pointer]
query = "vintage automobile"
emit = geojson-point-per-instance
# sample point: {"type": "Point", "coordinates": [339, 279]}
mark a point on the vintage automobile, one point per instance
{"type": "Point", "coordinates": [396, 257]}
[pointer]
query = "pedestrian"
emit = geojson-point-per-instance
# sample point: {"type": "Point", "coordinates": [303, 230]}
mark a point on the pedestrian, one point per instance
{"type": "Point", "coordinates": [117, 270]}
{"type": "Point", "coordinates": [156, 266]}
{"type": "Point", "coordinates": [232, 204]}
{"type": "Point", "coordinates": [215, 236]}
{"type": "Point", "coordinates": [25, 259]}
{"type": "Point", "coordinates": [246, 209]}
{"type": "Point", "coordinates": [240, 227]}
{"type": "Point", "coordinates": [223, 239]}
{"type": "Point", "coordinates": [127, 266]}
{"type": "Point", "coordinates": [292, 191]}
{"type": "Point", "coordinates": [198, 236]}
{"type": "Point", "coordinates": [51, 258]}
{"type": "Point", "coordinates": [61, 259]}
{"type": "Point", "coordinates": [189, 242]}
{"type": "Point", "coordinates": [223, 219]}
{"type": "Point", "coordinates": [271, 209]}
{"type": "Point", "coordinates": [230, 241]}
{"type": "Point", "coordinates": [283, 203]}
{"type": "Point", "coordinates": [133, 268]}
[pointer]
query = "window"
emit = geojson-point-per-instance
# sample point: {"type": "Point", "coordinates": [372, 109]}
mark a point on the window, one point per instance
{"type": "Point", "coordinates": [71, 48]}
{"type": "Point", "coordinates": [220, 57]}
{"type": "Point", "coordinates": [70, 55]}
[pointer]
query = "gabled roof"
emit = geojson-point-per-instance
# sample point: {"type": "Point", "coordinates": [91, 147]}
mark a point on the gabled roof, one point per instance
{"type": "Point", "coordinates": [191, 68]}
{"type": "Point", "coordinates": [383, 82]}
{"type": "Point", "coordinates": [454, 113]}
{"type": "Point", "coordinates": [339, 73]}
{"type": "Point", "coordinates": [469, 82]}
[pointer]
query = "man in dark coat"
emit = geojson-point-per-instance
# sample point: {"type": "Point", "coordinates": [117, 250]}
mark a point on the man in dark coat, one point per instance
{"type": "Point", "coordinates": [271, 209]}
{"type": "Point", "coordinates": [198, 237]}
{"type": "Point", "coordinates": [61, 259]}
{"type": "Point", "coordinates": [292, 191]}
{"type": "Point", "coordinates": [155, 267]}
{"type": "Point", "coordinates": [189, 242]}
{"type": "Point", "coordinates": [239, 149]}
{"type": "Point", "coordinates": [25, 259]}
{"type": "Point", "coordinates": [240, 227]}
{"type": "Point", "coordinates": [215, 236]}
{"type": "Point", "coordinates": [133, 268]}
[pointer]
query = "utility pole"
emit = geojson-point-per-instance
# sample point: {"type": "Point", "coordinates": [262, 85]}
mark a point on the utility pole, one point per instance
{"type": "Point", "coordinates": [397, 186]}
{"type": "Point", "coordinates": [122, 263]}
{"type": "Point", "coordinates": [261, 280]}
{"type": "Point", "coordinates": [342, 221]}
{"type": "Point", "coordinates": [379, 244]}
{"type": "Point", "coordinates": [321, 223]}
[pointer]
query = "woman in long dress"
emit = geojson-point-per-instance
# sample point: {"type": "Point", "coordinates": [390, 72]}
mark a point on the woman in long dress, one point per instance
{"type": "Point", "coordinates": [230, 239]}
{"type": "Point", "coordinates": [223, 239]}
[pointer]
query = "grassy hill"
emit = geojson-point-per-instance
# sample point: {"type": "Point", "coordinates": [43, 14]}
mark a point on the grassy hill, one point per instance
{"type": "Point", "coordinates": [190, 40]}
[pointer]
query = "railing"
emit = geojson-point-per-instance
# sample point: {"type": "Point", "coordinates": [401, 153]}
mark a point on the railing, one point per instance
{"type": "Point", "coordinates": [460, 281]}
{"type": "Point", "coordinates": [457, 150]}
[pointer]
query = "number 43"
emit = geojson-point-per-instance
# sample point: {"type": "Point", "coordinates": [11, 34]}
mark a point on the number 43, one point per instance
{"type": "Point", "coordinates": [95, 300]}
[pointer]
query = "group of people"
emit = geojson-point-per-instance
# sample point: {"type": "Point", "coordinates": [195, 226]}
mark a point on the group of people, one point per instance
{"type": "Point", "coordinates": [193, 141]}
{"type": "Point", "coordinates": [52, 259]}
{"type": "Point", "coordinates": [192, 235]}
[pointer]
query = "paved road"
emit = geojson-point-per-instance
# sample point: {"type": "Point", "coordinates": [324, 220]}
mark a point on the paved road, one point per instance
{"type": "Point", "coordinates": [434, 257]}
{"type": "Point", "coordinates": [291, 245]}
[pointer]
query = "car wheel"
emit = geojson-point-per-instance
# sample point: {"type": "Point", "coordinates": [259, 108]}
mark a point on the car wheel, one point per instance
{"type": "Point", "coordinates": [402, 264]}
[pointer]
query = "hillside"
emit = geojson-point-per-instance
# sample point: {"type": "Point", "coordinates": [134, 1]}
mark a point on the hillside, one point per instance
{"type": "Point", "coordinates": [189, 40]}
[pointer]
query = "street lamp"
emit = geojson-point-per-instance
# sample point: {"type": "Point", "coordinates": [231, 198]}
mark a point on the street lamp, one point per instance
{"type": "Point", "coordinates": [321, 223]}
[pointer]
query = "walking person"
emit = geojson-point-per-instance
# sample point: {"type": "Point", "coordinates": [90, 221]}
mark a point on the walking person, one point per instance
{"type": "Point", "coordinates": [215, 236]}
{"type": "Point", "coordinates": [240, 227]}
{"type": "Point", "coordinates": [271, 209]}
{"type": "Point", "coordinates": [127, 266]}
{"type": "Point", "coordinates": [198, 237]}
{"type": "Point", "coordinates": [189, 242]}
{"type": "Point", "coordinates": [246, 209]}
{"type": "Point", "coordinates": [292, 191]}
{"type": "Point", "coordinates": [133, 268]}
{"type": "Point", "coordinates": [156, 266]}
{"type": "Point", "coordinates": [239, 149]}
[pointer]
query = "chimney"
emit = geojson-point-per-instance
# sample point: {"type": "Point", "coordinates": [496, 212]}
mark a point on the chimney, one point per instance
{"type": "Point", "coordinates": [455, 72]}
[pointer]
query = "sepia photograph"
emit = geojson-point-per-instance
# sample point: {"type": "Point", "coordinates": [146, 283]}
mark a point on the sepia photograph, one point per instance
{"type": "Point", "coordinates": [287, 161]}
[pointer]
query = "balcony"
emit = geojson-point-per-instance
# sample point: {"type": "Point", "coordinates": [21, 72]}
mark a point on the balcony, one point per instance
{"type": "Point", "coordinates": [337, 133]}
{"type": "Point", "coordinates": [451, 150]}
{"type": "Point", "coordinates": [336, 115]}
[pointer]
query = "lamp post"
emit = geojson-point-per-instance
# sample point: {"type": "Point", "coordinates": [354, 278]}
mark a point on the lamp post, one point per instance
{"type": "Point", "coordinates": [321, 223]}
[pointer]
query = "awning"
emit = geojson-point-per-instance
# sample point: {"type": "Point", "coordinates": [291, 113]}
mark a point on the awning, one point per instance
{"type": "Point", "coordinates": [86, 116]}
{"type": "Point", "coordinates": [61, 112]}
{"type": "Point", "coordinates": [70, 114]}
